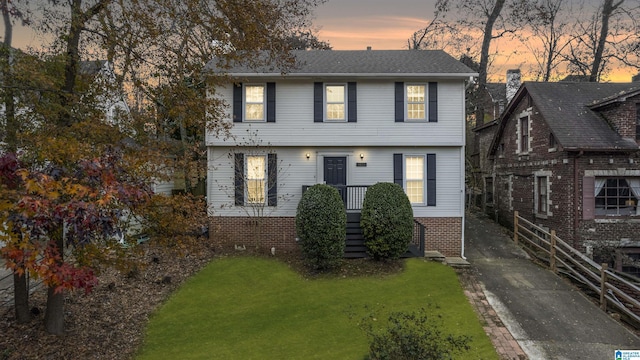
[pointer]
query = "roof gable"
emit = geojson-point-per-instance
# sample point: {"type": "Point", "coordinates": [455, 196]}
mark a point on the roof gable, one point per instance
{"type": "Point", "coordinates": [568, 109]}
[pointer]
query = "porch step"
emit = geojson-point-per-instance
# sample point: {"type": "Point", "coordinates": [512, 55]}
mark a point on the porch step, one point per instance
{"type": "Point", "coordinates": [457, 262]}
{"type": "Point", "coordinates": [434, 256]}
{"type": "Point", "coordinates": [354, 247]}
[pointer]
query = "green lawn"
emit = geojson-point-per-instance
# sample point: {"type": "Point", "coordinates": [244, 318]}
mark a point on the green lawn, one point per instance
{"type": "Point", "coordinates": [254, 308]}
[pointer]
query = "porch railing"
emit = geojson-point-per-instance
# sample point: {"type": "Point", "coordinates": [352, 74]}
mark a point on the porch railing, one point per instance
{"type": "Point", "coordinates": [352, 195]}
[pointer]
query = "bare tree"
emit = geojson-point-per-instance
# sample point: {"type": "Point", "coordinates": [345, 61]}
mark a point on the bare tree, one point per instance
{"type": "Point", "coordinates": [609, 35]}
{"type": "Point", "coordinates": [258, 178]}
{"type": "Point", "coordinates": [547, 34]}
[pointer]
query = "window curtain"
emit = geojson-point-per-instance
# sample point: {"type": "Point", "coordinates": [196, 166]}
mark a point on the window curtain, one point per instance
{"type": "Point", "coordinates": [634, 185]}
{"type": "Point", "coordinates": [599, 184]}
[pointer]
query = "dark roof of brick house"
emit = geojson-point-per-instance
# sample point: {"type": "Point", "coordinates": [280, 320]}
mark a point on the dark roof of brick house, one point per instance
{"type": "Point", "coordinates": [570, 111]}
{"type": "Point", "coordinates": [362, 63]}
{"type": "Point", "coordinates": [90, 67]}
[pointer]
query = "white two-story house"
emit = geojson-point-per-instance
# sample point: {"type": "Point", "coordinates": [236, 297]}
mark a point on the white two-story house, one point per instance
{"type": "Point", "coordinates": [348, 119]}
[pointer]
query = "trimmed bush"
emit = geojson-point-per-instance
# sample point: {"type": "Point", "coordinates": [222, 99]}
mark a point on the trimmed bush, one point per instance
{"type": "Point", "coordinates": [387, 221]}
{"type": "Point", "coordinates": [321, 225]}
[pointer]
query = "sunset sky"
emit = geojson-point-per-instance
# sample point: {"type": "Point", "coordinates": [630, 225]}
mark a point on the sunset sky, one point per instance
{"type": "Point", "coordinates": [387, 24]}
{"type": "Point", "coordinates": [381, 24]}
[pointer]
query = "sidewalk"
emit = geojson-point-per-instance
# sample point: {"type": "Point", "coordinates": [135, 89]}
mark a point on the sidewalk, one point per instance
{"type": "Point", "coordinates": [529, 311]}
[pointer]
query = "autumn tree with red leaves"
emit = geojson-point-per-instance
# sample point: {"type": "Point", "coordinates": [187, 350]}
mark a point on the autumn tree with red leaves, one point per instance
{"type": "Point", "coordinates": [72, 176]}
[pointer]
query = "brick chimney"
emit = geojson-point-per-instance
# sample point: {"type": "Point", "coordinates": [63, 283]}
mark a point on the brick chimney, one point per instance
{"type": "Point", "coordinates": [513, 83]}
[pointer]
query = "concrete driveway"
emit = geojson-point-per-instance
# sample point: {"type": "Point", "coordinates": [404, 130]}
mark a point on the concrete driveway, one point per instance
{"type": "Point", "coordinates": [548, 317]}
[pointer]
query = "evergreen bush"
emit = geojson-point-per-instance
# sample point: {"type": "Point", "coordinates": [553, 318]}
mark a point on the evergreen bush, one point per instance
{"type": "Point", "coordinates": [387, 221]}
{"type": "Point", "coordinates": [412, 336]}
{"type": "Point", "coordinates": [321, 223]}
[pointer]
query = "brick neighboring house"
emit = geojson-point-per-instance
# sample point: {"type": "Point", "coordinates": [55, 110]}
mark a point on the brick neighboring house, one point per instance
{"type": "Point", "coordinates": [349, 119]}
{"type": "Point", "coordinates": [495, 98]}
{"type": "Point", "coordinates": [566, 157]}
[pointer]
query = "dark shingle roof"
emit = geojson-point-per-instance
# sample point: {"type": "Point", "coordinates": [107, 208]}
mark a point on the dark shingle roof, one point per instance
{"type": "Point", "coordinates": [498, 91]}
{"type": "Point", "coordinates": [92, 67]}
{"type": "Point", "coordinates": [364, 63]}
{"type": "Point", "coordinates": [565, 108]}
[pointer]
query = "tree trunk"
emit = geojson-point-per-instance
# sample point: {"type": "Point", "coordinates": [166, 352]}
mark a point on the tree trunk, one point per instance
{"type": "Point", "coordinates": [20, 288]}
{"type": "Point", "coordinates": [607, 9]}
{"type": "Point", "coordinates": [54, 314]}
{"type": "Point", "coordinates": [9, 92]}
{"type": "Point", "coordinates": [21, 298]}
{"type": "Point", "coordinates": [484, 58]}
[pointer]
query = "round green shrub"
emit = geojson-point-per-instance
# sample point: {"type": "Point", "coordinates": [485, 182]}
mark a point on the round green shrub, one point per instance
{"type": "Point", "coordinates": [321, 225]}
{"type": "Point", "coordinates": [387, 221]}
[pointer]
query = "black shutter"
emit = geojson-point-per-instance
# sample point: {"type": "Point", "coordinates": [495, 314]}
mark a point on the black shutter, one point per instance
{"type": "Point", "coordinates": [237, 102]}
{"type": "Point", "coordinates": [433, 102]}
{"type": "Point", "coordinates": [431, 179]}
{"type": "Point", "coordinates": [271, 102]}
{"type": "Point", "coordinates": [272, 180]}
{"type": "Point", "coordinates": [399, 102]}
{"type": "Point", "coordinates": [397, 169]}
{"type": "Point", "coordinates": [239, 179]}
{"type": "Point", "coordinates": [318, 102]}
{"type": "Point", "coordinates": [352, 104]}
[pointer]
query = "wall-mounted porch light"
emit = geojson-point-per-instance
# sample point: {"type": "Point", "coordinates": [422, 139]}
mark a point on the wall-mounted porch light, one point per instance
{"type": "Point", "coordinates": [361, 156]}
{"type": "Point", "coordinates": [308, 155]}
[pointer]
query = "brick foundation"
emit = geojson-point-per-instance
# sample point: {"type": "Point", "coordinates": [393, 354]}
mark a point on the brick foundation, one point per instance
{"type": "Point", "coordinates": [227, 233]}
{"type": "Point", "coordinates": [443, 235]}
{"type": "Point", "coordinates": [255, 234]}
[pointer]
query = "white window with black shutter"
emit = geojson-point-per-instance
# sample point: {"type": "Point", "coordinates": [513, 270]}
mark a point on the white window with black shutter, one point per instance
{"type": "Point", "coordinates": [416, 102]}
{"type": "Point", "coordinates": [416, 173]}
{"type": "Point", "coordinates": [335, 102]}
{"type": "Point", "coordinates": [256, 181]}
{"type": "Point", "coordinates": [254, 102]}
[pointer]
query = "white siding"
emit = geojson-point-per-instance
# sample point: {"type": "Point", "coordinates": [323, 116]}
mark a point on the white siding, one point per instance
{"type": "Point", "coordinates": [163, 187]}
{"type": "Point", "coordinates": [376, 124]}
{"type": "Point", "coordinates": [296, 170]}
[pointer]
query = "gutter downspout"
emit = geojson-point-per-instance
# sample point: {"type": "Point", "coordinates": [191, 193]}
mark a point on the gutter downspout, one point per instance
{"type": "Point", "coordinates": [462, 199]}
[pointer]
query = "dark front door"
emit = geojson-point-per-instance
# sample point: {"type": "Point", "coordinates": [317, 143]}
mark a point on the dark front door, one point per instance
{"type": "Point", "coordinates": [335, 174]}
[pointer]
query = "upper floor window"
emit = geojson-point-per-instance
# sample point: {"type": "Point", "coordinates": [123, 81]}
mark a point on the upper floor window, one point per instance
{"type": "Point", "coordinates": [335, 102]}
{"type": "Point", "coordinates": [335, 96]}
{"type": "Point", "coordinates": [416, 105]}
{"type": "Point", "coordinates": [617, 196]}
{"type": "Point", "coordinates": [416, 102]}
{"type": "Point", "coordinates": [523, 130]}
{"type": "Point", "coordinates": [254, 100]}
{"type": "Point", "coordinates": [552, 141]}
